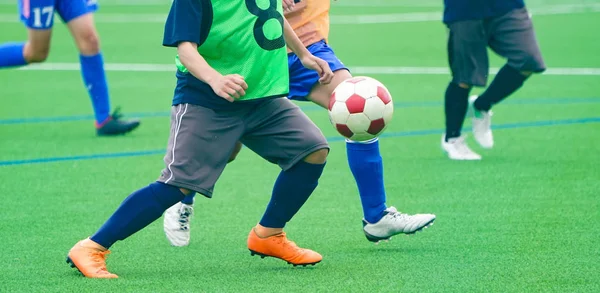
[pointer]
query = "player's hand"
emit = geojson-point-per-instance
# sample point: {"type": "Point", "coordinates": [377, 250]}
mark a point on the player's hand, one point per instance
{"type": "Point", "coordinates": [319, 65]}
{"type": "Point", "coordinates": [229, 87]}
{"type": "Point", "coordinates": [288, 5]}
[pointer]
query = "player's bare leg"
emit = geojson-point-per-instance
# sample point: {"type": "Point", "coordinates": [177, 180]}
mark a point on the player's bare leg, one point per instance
{"type": "Point", "coordinates": [272, 242]}
{"type": "Point", "coordinates": [380, 222]}
{"type": "Point", "coordinates": [37, 48]}
{"type": "Point", "coordinates": [86, 38]}
{"type": "Point", "coordinates": [321, 93]}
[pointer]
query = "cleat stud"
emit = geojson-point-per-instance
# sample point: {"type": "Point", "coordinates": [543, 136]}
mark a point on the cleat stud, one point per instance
{"type": "Point", "coordinates": [262, 256]}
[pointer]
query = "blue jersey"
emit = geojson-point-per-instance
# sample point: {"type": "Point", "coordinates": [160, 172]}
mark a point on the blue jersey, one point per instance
{"type": "Point", "coordinates": [457, 10]}
{"type": "Point", "coordinates": [39, 14]}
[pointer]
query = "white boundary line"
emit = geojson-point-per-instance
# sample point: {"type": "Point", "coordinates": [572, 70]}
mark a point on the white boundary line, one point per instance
{"type": "Point", "coordinates": [337, 19]}
{"type": "Point", "coordinates": [386, 70]}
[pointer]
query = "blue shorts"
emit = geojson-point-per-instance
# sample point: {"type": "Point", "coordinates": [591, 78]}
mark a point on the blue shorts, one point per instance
{"type": "Point", "coordinates": [302, 79]}
{"type": "Point", "coordinates": [39, 14]}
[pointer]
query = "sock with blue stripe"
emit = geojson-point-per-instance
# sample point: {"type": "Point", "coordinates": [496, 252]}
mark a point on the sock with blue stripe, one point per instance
{"type": "Point", "coordinates": [94, 78]}
{"type": "Point", "coordinates": [366, 165]}
{"type": "Point", "coordinates": [11, 55]}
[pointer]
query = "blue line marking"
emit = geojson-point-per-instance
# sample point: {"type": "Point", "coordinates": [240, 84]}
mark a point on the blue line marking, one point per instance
{"type": "Point", "coordinates": [330, 139]}
{"type": "Point", "coordinates": [536, 101]}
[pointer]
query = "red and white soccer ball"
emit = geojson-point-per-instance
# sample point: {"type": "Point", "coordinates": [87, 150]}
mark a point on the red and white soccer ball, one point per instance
{"type": "Point", "coordinates": [361, 108]}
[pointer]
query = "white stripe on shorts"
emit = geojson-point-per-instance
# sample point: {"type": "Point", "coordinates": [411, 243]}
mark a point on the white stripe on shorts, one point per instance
{"type": "Point", "coordinates": [175, 139]}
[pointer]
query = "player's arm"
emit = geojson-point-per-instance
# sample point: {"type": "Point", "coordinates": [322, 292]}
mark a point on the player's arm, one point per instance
{"type": "Point", "coordinates": [307, 58]}
{"type": "Point", "coordinates": [186, 30]}
{"type": "Point", "coordinates": [229, 87]}
{"type": "Point", "coordinates": [293, 42]}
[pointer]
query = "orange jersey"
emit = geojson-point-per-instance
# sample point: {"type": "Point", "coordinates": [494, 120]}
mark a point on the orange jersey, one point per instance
{"type": "Point", "coordinates": [310, 20]}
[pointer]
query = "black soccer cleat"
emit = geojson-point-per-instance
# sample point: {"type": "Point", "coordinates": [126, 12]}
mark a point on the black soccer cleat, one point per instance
{"type": "Point", "coordinates": [114, 125]}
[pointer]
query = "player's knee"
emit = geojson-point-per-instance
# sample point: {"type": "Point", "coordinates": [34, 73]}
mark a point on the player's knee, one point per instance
{"type": "Point", "coordinates": [37, 54]}
{"type": "Point", "coordinates": [464, 85]}
{"type": "Point", "coordinates": [88, 42]}
{"type": "Point", "coordinates": [236, 151]}
{"type": "Point", "coordinates": [526, 73]}
{"type": "Point", "coordinates": [185, 191]}
{"type": "Point", "coordinates": [317, 157]}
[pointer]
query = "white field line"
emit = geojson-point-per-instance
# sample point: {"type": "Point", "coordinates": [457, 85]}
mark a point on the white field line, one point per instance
{"type": "Point", "coordinates": [388, 70]}
{"type": "Point", "coordinates": [337, 19]}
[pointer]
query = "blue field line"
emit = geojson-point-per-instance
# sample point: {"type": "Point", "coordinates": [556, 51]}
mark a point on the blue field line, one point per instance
{"type": "Point", "coordinates": [536, 101]}
{"type": "Point", "coordinates": [330, 139]}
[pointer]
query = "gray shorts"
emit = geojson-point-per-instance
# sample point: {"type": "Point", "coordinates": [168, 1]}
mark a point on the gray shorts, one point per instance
{"type": "Point", "coordinates": [202, 140]}
{"type": "Point", "coordinates": [510, 36]}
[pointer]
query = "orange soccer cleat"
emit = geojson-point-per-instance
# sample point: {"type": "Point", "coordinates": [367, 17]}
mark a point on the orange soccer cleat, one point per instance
{"type": "Point", "coordinates": [89, 258]}
{"type": "Point", "coordinates": [280, 247]}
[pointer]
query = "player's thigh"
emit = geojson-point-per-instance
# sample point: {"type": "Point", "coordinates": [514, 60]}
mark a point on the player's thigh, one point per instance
{"type": "Point", "coordinates": [321, 93]}
{"type": "Point", "coordinates": [467, 52]}
{"type": "Point", "coordinates": [282, 134]}
{"type": "Point", "coordinates": [79, 17]}
{"type": "Point", "coordinates": [304, 80]}
{"type": "Point", "coordinates": [85, 35]}
{"type": "Point", "coordinates": [200, 144]}
{"type": "Point", "coordinates": [513, 37]}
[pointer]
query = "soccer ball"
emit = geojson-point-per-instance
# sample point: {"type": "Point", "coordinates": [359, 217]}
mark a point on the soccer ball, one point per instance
{"type": "Point", "coordinates": [360, 108]}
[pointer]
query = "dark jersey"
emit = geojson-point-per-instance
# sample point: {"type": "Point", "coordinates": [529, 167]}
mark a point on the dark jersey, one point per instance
{"type": "Point", "coordinates": [457, 10]}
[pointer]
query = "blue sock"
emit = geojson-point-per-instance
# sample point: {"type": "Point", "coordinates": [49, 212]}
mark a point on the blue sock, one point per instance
{"type": "Point", "coordinates": [366, 165]}
{"type": "Point", "coordinates": [136, 212]}
{"type": "Point", "coordinates": [94, 78]}
{"type": "Point", "coordinates": [189, 199]}
{"type": "Point", "coordinates": [292, 188]}
{"type": "Point", "coordinates": [11, 55]}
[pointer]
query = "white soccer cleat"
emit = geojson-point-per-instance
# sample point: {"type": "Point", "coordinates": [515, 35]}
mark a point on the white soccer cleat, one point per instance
{"type": "Point", "coordinates": [457, 149]}
{"type": "Point", "coordinates": [482, 125]}
{"type": "Point", "coordinates": [394, 223]}
{"type": "Point", "coordinates": [177, 224]}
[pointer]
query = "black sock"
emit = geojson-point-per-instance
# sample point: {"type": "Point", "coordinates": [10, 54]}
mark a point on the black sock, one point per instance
{"type": "Point", "coordinates": [506, 82]}
{"type": "Point", "coordinates": [455, 107]}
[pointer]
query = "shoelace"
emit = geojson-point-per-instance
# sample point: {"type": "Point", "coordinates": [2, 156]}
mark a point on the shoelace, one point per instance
{"type": "Point", "coordinates": [281, 239]}
{"type": "Point", "coordinates": [184, 217]}
{"type": "Point", "coordinates": [99, 257]}
{"type": "Point", "coordinates": [392, 211]}
{"type": "Point", "coordinates": [116, 114]}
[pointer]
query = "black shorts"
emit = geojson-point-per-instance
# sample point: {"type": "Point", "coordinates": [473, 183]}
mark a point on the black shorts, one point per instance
{"type": "Point", "coordinates": [510, 35]}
